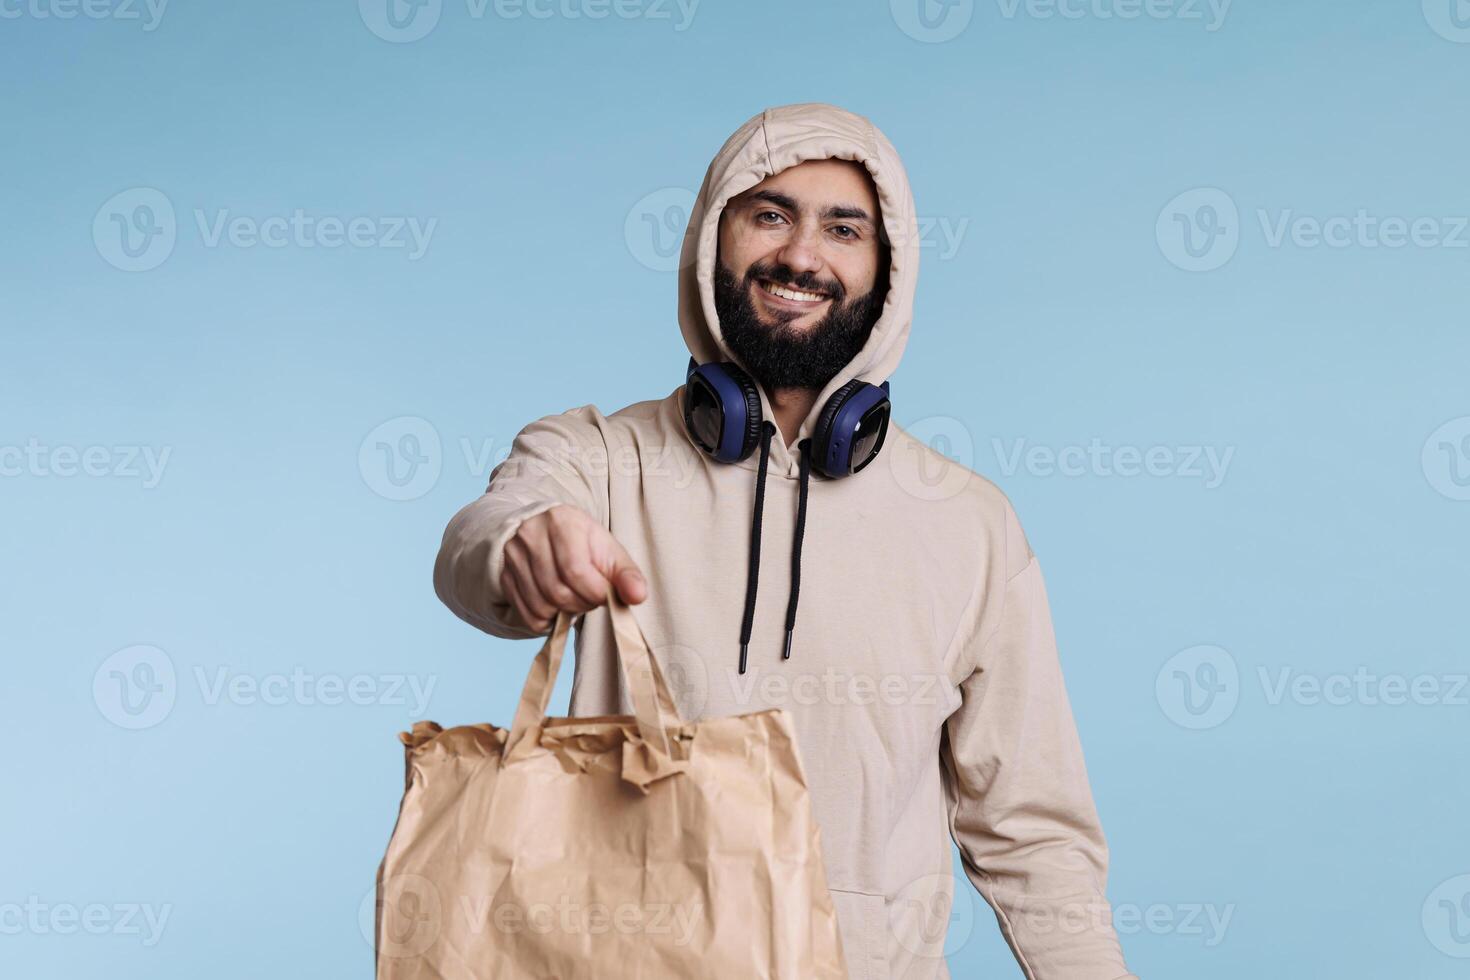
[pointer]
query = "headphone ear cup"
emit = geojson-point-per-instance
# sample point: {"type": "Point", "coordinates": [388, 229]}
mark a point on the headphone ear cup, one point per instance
{"type": "Point", "coordinates": [822, 432]}
{"type": "Point", "coordinates": [752, 435]}
{"type": "Point", "coordinates": [738, 402]}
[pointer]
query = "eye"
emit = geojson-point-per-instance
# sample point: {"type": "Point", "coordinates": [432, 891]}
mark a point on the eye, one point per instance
{"type": "Point", "coordinates": [769, 217]}
{"type": "Point", "coordinates": [846, 232]}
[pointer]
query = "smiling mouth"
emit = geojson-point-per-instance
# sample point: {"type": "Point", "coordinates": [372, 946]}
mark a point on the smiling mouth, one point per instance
{"type": "Point", "coordinates": [791, 295]}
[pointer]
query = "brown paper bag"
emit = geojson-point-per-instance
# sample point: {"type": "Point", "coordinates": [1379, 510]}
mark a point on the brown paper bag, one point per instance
{"type": "Point", "coordinates": [610, 847]}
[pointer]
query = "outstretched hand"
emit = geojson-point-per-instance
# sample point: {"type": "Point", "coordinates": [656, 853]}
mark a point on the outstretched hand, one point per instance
{"type": "Point", "coordinates": [562, 560]}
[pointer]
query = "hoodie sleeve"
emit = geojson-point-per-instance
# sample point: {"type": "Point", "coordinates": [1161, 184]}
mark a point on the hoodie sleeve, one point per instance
{"type": "Point", "coordinates": [1020, 808]}
{"type": "Point", "coordinates": [559, 459]}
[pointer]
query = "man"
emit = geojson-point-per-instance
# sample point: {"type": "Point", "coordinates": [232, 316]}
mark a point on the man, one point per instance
{"type": "Point", "coordinates": [906, 629]}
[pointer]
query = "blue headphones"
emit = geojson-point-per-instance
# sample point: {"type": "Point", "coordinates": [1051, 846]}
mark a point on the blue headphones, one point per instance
{"type": "Point", "coordinates": [722, 411]}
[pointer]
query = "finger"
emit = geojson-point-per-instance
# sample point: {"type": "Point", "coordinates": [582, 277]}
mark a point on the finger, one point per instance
{"type": "Point", "coordinates": [626, 577]}
{"type": "Point", "coordinates": [632, 587]}
{"type": "Point", "coordinates": [572, 552]}
{"type": "Point", "coordinates": [513, 596]}
{"type": "Point", "coordinates": [518, 561]}
{"type": "Point", "coordinates": [548, 578]}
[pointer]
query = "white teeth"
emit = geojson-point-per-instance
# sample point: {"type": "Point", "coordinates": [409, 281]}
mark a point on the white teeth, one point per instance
{"type": "Point", "coordinates": [795, 294]}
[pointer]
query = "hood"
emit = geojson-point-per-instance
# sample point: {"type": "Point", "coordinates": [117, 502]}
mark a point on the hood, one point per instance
{"type": "Point", "coordinates": [767, 144]}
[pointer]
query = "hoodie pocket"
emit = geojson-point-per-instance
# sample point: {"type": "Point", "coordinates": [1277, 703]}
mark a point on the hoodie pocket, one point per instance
{"type": "Point", "coordinates": [863, 921]}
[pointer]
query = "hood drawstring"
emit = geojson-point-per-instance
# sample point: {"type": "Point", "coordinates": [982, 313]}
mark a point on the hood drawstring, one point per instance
{"type": "Point", "coordinates": [753, 571]}
{"type": "Point", "coordinates": [752, 577]}
{"type": "Point", "coordinates": [804, 452]}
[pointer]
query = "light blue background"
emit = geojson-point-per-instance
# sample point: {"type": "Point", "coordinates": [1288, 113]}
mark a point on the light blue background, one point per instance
{"type": "Point", "coordinates": [1062, 317]}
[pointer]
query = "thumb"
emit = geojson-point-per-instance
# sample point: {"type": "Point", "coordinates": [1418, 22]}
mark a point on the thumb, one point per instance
{"type": "Point", "coordinates": [627, 579]}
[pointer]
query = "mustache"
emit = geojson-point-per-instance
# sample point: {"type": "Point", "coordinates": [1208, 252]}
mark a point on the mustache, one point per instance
{"type": "Point", "coordinates": [782, 275]}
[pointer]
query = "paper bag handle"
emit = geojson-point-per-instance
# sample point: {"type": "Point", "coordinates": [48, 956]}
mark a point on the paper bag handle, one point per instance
{"type": "Point", "coordinates": [653, 703]}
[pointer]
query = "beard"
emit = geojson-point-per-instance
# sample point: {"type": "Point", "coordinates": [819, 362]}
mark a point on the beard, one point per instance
{"type": "Point", "coordinates": [779, 355]}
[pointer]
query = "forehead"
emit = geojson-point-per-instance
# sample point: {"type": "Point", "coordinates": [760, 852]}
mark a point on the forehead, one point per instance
{"type": "Point", "coordinates": [820, 183]}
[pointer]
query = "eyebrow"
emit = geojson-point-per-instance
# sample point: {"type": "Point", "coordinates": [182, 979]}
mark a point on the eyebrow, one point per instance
{"type": "Point", "coordinates": [850, 212]}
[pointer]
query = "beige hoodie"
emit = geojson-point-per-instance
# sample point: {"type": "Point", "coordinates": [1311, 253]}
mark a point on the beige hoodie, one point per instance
{"type": "Point", "coordinates": [923, 680]}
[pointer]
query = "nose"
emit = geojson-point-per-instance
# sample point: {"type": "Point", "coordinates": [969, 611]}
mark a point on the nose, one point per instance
{"type": "Point", "coordinates": [801, 251]}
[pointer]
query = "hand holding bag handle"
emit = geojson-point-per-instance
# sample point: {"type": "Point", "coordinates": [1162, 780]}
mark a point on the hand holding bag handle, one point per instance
{"type": "Point", "coordinates": [653, 703]}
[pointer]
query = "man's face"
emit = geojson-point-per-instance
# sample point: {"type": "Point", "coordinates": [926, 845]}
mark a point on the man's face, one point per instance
{"type": "Point", "coordinates": [801, 272]}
